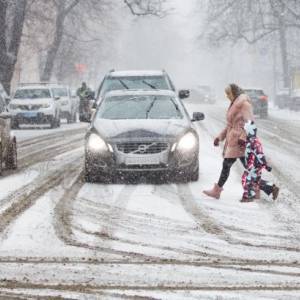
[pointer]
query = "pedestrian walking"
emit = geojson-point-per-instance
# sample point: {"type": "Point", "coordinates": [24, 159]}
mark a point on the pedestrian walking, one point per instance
{"type": "Point", "coordinates": [238, 113]}
{"type": "Point", "coordinates": [255, 163]}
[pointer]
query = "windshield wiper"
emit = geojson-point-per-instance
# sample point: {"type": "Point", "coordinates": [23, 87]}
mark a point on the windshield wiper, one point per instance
{"type": "Point", "coordinates": [123, 83]}
{"type": "Point", "coordinates": [150, 107]}
{"type": "Point", "coordinates": [149, 84]}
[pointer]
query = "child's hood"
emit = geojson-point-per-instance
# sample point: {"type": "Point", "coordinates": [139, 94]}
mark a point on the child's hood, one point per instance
{"type": "Point", "coordinates": [250, 128]}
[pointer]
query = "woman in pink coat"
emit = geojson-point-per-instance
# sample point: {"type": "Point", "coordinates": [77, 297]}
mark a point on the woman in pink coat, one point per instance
{"type": "Point", "coordinates": [239, 112]}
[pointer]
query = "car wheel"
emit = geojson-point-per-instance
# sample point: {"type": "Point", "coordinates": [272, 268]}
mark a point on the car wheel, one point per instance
{"type": "Point", "coordinates": [11, 161]}
{"type": "Point", "coordinates": [58, 122]}
{"type": "Point", "coordinates": [74, 117]}
{"type": "Point", "coordinates": [14, 124]}
{"type": "Point", "coordinates": [52, 122]}
{"type": "Point", "coordinates": [194, 176]}
{"type": "Point", "coordinates": [69, 119]}
{"type": "Point", "coordinates": [90, 174]}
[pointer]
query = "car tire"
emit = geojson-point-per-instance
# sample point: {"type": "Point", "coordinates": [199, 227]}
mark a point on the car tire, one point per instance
{"type": "Point", "coordinates": [90, 175]}
{"type": "Point", "coordinates": [11, 161]}
{"type": "Point", "coordinates": [69, 119]}
{"type": "Point", "coordinates": [14, 124]}
{"type": "Point", "coordinates": [74, 117]}
{"type": "Point", "coordinates": [58, 122]}
{"type": "Point", "coordinates": [194, 176]}
{"type": "Point", "coordinates": [53, 122]}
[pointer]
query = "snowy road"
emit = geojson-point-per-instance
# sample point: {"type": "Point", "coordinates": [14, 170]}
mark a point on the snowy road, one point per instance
{"type": "Point", "coordinates": [60, 237]}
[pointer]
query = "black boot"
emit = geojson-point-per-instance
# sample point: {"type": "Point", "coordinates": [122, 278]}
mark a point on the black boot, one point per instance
{"type": "Point", "coordinates": [275, 192]}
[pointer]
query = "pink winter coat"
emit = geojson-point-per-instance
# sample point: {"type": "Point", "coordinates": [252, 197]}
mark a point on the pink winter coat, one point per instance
{"type": "Point", "coordinates": [237, 115]}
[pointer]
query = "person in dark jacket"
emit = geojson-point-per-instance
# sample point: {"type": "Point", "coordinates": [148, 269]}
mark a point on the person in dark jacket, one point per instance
{"type": "Point", "coordinates": [255, 162]}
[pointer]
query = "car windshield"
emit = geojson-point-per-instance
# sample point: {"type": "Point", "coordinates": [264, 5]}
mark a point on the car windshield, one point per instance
{"type": "Point", "coordinates": [60, 92]}
{"type": "Point", "coordinates": [135, 82]}
{"type": "Point", "coordinates": [32, 93]}
{"type": "Point", "coordinates": [254, 93]}
{"type": "Point", "coordinates": [139, 107]}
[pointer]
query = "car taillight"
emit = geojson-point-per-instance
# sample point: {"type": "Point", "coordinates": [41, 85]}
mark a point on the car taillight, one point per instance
{"type": "Point", "coordinates": [263, 98]}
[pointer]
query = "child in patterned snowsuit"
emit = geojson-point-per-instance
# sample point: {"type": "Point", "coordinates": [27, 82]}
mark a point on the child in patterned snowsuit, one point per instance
{"type": "Point", "coordinates": [255, 162]}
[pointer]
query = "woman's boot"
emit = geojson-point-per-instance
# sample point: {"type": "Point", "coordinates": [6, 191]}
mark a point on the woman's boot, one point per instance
{"type": "Point", "coordinates": [215, 192]}
{"type": "Point", "coordinates": [275, 192]}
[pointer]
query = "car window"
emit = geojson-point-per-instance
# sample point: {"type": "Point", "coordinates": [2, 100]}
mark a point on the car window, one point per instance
{"type": "Point", "coordinates": [254, 93]}
{"type": "Point", "coordinates": [139, 107]}
{"type": "Point", "coordinates": [60, 92]}
{"type": "Point", "coordinates": [32, 93]}
{"type": "Point", "coordinates": [135, 82]}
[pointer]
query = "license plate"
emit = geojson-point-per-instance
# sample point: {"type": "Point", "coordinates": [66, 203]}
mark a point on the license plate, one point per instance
{"type": "Point", "coordinates": [30, 114]}
{"type": "Point", "coordinates": [142, 160]}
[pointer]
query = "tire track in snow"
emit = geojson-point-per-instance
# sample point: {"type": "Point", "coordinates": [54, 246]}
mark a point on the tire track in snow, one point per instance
{"type": "Point", "coordinates": [26, 196]}
{"type": "Point", "coordinates": [276, 213]}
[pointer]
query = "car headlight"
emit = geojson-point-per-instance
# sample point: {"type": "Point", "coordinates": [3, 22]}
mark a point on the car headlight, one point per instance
{"type": "Point", "coordinates": [96, 143]}
{"type": "Point", "coordinates": [187, 142]}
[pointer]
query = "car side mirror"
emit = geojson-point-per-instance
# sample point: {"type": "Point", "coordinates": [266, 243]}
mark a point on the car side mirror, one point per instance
{"type": "Point", "coordinates": [198, 116]}
{"type": "Point", "coordinates": [183, 94]}
{"type": "Point", "coordinates": [56, 98]}
{"type": "Point", "coordinates": [7, 100]}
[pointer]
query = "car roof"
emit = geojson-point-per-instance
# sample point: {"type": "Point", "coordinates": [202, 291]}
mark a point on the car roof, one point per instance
{"type": "Point", "coordinates": [42, 85]}
{"type": "Point", "coordinates": [134, 73]}
{"type": "Point", "coordinates": [33, 87]}
{"type": "Point", "coordinates": [140, 93]}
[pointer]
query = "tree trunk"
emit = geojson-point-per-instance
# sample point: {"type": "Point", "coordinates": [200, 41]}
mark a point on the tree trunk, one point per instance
{"type": "Point", "coordinates": [52, 52]}
{"type": "Point", "coordinates": [284, 54]}
{"type": "Point", "coordinates": [14, 43]}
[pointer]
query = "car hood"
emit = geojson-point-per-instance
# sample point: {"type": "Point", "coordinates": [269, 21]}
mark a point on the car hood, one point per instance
{"type": "Point", "coordinates": [132, 129]}
{"type": "Point", "coordinates": [37, 101]}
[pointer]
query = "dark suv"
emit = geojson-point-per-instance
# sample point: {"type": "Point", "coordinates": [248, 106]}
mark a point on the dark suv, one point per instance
{"type": "Point", "coordinates": [259, 101]}
{"type": "Point", "coordinates": [137, 80]}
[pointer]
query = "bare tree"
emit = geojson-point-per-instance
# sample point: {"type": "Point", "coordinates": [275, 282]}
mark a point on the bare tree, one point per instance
{"type": "Point", "coordinates": [146, 7]}
{"type": "Point", "coordinates": [253, 21]}
{"type": "Point", "coordinates": [63, 8]}
{"type": "Point", "coordinates": [12, 16]}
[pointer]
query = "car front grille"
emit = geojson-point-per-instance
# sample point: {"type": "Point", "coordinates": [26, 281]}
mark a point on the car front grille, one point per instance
{"type": "Point", "coordinates": [30, 107]}
{"type": "Point", "coordinates": [142, 148]}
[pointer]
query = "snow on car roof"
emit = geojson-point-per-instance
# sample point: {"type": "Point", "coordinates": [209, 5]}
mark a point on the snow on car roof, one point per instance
{"type": "Point", "coordinates": [136, 73]}
{"type": "Point", "coordinates": [140, 93]}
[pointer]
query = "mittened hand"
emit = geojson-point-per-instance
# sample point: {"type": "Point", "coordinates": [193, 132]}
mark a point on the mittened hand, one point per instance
{"type": "Point", "coordinates": [241, 143]}
{"type": "Point", "coordinates": [216, 142]}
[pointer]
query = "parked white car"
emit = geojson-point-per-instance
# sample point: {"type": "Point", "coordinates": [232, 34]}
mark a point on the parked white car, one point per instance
{"type": "Point", "coordinates": [68, 103]}
{"type": "Point", "coordinates": [35, 104]}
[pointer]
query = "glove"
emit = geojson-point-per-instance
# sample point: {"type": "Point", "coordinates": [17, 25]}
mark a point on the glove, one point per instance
{"type": "Point", "coordinates": [241, 143]}
{"type": "Point", "coordinates": [216, 142]}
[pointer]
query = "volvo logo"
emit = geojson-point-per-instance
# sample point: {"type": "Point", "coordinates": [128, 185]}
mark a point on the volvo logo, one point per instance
{"type": "Point", "coordinates": [143, 148]}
